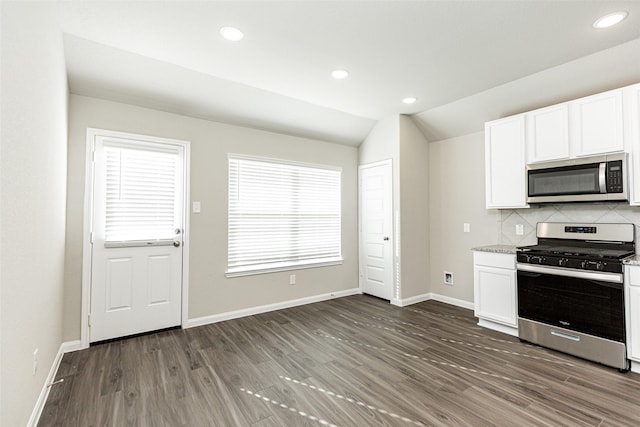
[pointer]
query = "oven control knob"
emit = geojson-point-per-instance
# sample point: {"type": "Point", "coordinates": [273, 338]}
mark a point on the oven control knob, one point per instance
{"type": "Point", "coordinates": [562, 262]}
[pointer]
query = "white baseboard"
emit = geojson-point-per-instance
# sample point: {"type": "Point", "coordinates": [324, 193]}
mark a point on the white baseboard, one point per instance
{"type": "Point", "coordinates": [509, 330]}
{"type": "Point", "coordinates": [431, 296]}
{"type": "Point", "coordinates": [412, 300]}
{"type": "Point", "coordinates": [206, 320]}
{"type": "Point", "coordinates": [452, 301]}
{"type": "Point", "coordinates": [65, 347]}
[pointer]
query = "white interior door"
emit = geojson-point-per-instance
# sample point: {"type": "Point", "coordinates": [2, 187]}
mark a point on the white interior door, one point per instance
{"type": "Point", "coordinates": [376, 240]}
{"type": "Point", "coordinates": [137, 235]}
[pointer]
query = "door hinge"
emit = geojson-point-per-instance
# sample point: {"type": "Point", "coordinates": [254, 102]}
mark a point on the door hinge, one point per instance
{"type": "Point", "coordinates": [91, 237]}
{"type": "Point", "coordinates": [89, 320]}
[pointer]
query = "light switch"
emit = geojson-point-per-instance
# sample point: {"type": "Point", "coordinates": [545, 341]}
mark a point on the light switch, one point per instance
{"type": "Point", "coordinates": [195, 208]}
{"type": "Point", "coordinates": [519, 229]}
{"type": "Point", "coordinates": [466, 227]}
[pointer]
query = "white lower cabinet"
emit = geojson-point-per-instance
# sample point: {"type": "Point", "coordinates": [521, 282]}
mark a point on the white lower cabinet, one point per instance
{"type": "Point", "coordinates": [494, 285]}
{"type": "Point", "coordinates": [632, 314]}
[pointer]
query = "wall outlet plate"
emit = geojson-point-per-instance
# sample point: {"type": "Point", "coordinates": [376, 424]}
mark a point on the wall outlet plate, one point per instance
{"type": "Point", "coordinates": [519, 229]}
{"type": "Point", "coordinates": [448, 278]}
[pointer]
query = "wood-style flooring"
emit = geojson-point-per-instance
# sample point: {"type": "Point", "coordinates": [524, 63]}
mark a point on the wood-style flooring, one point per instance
{"type": "Point", "coordinates": [354, 361]}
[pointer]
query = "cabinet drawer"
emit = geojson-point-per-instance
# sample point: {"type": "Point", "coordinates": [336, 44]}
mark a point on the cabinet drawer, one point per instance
{"type": "Point", "coordinates": [633, 275]}
{"type": "Point", "coordinates": [491, 259]}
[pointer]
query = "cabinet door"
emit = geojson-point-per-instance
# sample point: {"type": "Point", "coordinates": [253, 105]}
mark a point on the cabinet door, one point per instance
{"type": "Point", "coordinates": [633, 352]}
{"type": "Point", "coordinates": [505, 163]}
{"type": "Point", "coordinates": [597, 124]}
{"type": "Point", "coordinates": [632, 134]}
{"type": "Point", "coordinates": [548, 134]}
{"type": "Point", "coordinates": [495, 294]}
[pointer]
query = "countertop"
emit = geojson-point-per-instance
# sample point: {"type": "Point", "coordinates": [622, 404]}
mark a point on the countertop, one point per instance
{"type": "Point", "coordinates": [502, 249]}
{"type": "Point", "coordinates": [635, 260]}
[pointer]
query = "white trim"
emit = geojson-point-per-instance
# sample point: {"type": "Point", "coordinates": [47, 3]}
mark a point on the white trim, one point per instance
{"type": "Point", "coordinates": [509, 330]}
{"type": "Point", "coordinates": [431, 296]}
{"type": "Point", "coordinates": [92, 133]}
{"type": "Point", "coordinates": [285, 266]}
{"type": "Point", "coordinates": [65, 347]}
{"type": "Point", "coordinates": [205, 320]}
{"type": "Point", "coordinates": [376, 164]}
{"type": "Point", "coordinates": [452, 301]}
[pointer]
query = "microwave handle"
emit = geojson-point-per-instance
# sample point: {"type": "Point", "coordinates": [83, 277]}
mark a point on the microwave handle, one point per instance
{"type": "Point", "coordinates": [602, 177]}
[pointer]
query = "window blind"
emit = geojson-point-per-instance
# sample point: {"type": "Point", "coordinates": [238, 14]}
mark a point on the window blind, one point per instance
{"type": "Point", "coordinates": [282, 215]}
{"type": "Point", "coordinates": [140, 193]}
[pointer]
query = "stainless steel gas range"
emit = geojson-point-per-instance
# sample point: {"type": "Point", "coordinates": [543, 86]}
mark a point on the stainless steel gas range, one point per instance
{"type": "Point", "coordinates": [570, 290]}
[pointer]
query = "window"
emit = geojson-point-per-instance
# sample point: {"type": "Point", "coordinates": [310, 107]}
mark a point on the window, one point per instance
{"type": "Point", "coordinates": [141, 188]}
{"type": "Point", "coordinates": [282, 215]}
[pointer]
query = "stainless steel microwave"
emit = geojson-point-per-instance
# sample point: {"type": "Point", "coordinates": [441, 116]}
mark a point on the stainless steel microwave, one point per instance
{"type": "Point", "coordinates": [587, 179]}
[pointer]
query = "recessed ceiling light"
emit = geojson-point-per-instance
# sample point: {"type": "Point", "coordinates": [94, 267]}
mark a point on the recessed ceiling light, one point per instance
{"type": "Point", "coordinates": [610, 20]}
{"type": "Point", "coordinates": [409, 100]}
{"type": "Point", "coordinates": [340, 74]}
{"type": "Point", "coordinates": [231, 33]}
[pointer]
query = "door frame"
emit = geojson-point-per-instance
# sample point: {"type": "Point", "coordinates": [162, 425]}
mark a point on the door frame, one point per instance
{"type": "Point", "coordinates": [394, 286]}
{"type": "Point", "coordinates": [92, 133]}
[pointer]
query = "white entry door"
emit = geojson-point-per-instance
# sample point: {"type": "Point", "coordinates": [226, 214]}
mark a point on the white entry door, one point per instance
{"type": "Point", "coordinates": [376, 240]}
{"type": "Point", "coordinates": [137, 235]}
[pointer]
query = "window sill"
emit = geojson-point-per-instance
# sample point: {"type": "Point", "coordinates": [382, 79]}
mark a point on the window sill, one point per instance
{"type": "Point", "coordinates": [285, 266]}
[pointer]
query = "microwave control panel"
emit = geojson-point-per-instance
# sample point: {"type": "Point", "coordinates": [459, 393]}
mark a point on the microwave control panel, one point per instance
{"type": "Point", "coordinates": [614, 176]}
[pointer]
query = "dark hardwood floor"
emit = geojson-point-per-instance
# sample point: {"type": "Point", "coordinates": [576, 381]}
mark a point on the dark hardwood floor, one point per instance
{"type": "Point", "coordinates": [354, 361]}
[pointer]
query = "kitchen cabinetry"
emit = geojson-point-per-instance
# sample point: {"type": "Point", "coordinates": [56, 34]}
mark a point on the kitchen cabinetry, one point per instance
{"type": "Point", "coordinates": [597, 124]}
{"type": "Point", "coordinates": [494, 286]}
{"type": "Point", "coordinates": [607, 122]}
{"type": "Point", "coordinates": [631, 96]}
{"type": "Point", "coordinates": [548, 134]}
{"type": "Point", "coordinates": [585, 127]}
{"type": "Point", "coordinates": [505, 163]}
{"type": "Point", "coordinates": [632, 310]}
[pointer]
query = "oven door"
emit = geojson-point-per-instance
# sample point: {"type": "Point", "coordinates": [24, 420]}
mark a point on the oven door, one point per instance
{"type": "Point", "coordinates": [584, 301]}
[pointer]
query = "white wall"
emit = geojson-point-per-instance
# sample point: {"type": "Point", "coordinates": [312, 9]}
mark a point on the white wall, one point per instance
{"type": "Point", "coordinates": [414, 210]}
{"type": "Point", "coordinates": [457, 196]}
{"type": "Point", "coordinates": [210, 293]}
{"type": "Point", "coordinates": [33, 194]}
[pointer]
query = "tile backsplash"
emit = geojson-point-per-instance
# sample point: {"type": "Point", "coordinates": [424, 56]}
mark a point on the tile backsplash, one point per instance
{"type": "Point", "coordinates": [589, 213]}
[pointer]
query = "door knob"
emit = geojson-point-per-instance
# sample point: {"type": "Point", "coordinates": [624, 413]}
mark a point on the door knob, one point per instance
{"type": "Point", "coordinates": [176, 243]}
{"type": "Point", "coordinates": [386, 238]}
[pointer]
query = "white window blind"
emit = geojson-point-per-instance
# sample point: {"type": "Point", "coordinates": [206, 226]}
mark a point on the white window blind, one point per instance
{"type": "Point", "coordinates": [282, 215]}
{"type": "Point", "coordinates": [140, 193]}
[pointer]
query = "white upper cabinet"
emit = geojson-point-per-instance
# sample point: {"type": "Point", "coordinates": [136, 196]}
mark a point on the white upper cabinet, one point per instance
{"type": "Point", "coordinates": [632, 135]}
{"type": "Point", "coordinates": [505, 163]}
{"type": "Point", "coordinates": [548, 134]}
{"type": "Point", "coordinates": [597, 124]}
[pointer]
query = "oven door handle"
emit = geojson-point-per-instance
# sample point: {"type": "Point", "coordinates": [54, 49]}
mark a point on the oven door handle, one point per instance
{"type": "Point", "coordinates": [602, 177]}
{"type": "Point", "coordinates": [567, 272]}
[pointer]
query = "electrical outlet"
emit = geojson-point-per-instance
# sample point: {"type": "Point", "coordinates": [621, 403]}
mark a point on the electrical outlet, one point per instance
{"type": "Point", "coordinates": [466, 227]}
{"type": "Point", "coordinates": [519, 229]}
{"type": "Point", "coordinates": [35, 362]}
{"type": "Point", "coordinates": [448, 278]}
{"type": "Point", "coordinates": [292, 279]}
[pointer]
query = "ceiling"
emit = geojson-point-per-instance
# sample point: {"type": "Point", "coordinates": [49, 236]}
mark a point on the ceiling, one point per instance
{"type": "Point", "coordinates": [465, 61]}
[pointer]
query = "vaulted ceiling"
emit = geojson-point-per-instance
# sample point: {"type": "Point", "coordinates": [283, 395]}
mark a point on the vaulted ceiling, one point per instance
{"type": "Point", "coordinates": [466, 62]}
